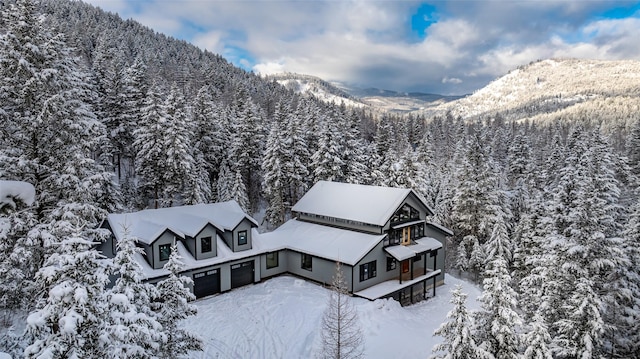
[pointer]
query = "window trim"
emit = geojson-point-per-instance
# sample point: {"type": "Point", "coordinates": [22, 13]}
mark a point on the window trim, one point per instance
{"type": "Point", "coordinates": [160, 247]}
{"type": "Point", "coordinates": [370, 269]}
{"type": "Point", "coordinates": [303, 258]}
{"type": "Point", "coordinates": [202, 241]}
{"type": "Point", "coordinates": [246, 238]}
{"type": "Point", "coordinates": [275, 258]}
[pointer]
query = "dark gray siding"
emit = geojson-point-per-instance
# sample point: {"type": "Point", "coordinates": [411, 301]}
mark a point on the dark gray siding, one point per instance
{"type": "Point", "coordinates": [245, 225]}
{"type": "Point", "coordinates": [322, 269]}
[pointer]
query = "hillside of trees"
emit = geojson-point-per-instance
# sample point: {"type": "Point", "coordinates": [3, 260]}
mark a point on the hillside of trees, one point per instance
{"type": "Point", "coordinates": [104, 115]}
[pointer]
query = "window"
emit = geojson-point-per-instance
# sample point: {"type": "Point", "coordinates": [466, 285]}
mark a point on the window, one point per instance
{"type": "Point", "coordinates": [391, 264]}
{"type": "Point", "coordinates": [242, 238]}
{"type": "Point", "coordinates": [367, 271]}
{"type": "Point", "coordinates": [306, 262]}
{"type": "Point", "coordinates": [405, 213]}
{"type": "Point", "coordinates": [205, 244]}
{"type": "Point", "coordinates": [272, 260]}
{"type": "Point", "coordinates": [165, 252]}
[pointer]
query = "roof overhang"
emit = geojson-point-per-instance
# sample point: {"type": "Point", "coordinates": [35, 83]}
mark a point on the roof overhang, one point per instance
{"type": "Point", "coordinates": [423, 245]}
{"type": "Point", "coordinates": [407, 224]}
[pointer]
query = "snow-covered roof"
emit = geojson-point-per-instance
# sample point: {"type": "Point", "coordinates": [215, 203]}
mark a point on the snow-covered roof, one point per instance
{"type": "Point", "coordinates": [361, 203]}
{"type": "Point", "coordinates": [440, 228]}
{"type": "Point", "coordinates": [190, 263]}
{"type": "Point", "coordinates": [422, 245]}
{"type": "Point", "coordinates": [331, 243]}
{"type": "Point", "coordinates": [147, 225]}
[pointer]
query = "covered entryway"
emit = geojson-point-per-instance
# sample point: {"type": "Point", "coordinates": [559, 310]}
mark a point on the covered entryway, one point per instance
{"type": "Point", "coordinates": [206, 283]}
{"type": "Point", "coordinates": [241, 274]}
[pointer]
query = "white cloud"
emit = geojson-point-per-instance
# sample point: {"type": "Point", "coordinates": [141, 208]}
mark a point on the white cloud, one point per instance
{"type": "Point", "coordinates": [367, 43]}
{"type": "Point", "coordinates": [451, 80]}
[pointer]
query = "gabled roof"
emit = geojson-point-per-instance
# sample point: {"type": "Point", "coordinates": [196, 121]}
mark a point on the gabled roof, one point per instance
{"type": "Point", "coordinates": [336, 244]}
{"type": "Point", "coordinates": [147, 225]}
{"type": "Point", "coordinates": [361, 203]}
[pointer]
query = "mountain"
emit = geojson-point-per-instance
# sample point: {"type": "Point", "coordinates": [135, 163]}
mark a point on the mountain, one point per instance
{"type": "Point", "coordinates": [376, 99]}
{"type": "Point", "coordinates": [556, 88]}
{"type": "Point", "coordinates": [316, 87]}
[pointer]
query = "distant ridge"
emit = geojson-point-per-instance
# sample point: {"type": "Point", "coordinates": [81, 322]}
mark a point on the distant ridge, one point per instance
{"type": "Point", "coordinates": [555, 88]}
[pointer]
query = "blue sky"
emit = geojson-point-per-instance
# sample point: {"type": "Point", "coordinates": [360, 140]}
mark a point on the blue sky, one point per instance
{"type": "Point", "coordinates": [446, 47]}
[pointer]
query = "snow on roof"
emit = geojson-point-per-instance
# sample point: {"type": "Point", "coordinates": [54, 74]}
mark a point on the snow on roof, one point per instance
{"type": "Point", "coordinates": [331, 243]}
{"type": "Point", "coordinates": [147, 225]}
{"type": "Point", "coordinates": [361, 203]}
{"type": "Point", "coordinates": [12, 190]}
{"type": "Point", "coordinates": [441, 228]}
{"type": "Point", "coordinates": [422, 245]}
{"type": "Point", "coordinates": [190, 263]}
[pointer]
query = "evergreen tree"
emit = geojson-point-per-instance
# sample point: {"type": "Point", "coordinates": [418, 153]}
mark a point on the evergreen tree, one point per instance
{"type": "Point", "coordinates": [172, 307]}
{"type": "Point", "coordinates": [459, 342]}
{"type": "Point", "coordinates": [341, 333]}
{"type": "Point", "coordinates": [132, 331]}
{"type": "Point", "coordinates": [537, 340]}
{"type": "Point", "coordinates": [70, 321]}
{"type": "Point", "coordinates": [273, 166]}
{"type": "Point", "coordinates": [327, 161]}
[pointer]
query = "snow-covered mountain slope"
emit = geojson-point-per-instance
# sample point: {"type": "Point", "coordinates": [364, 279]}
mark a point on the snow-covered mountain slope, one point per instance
{"type": "Point", "coordinates": [555, 88]}
{"type": "Point", "coordinates": [316, 87]}
{"type": "Point", "coordinates": [373, 98]}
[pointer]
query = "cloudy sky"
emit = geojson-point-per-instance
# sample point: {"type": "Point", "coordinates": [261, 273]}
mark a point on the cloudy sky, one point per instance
{"type": "Point", "coordinates": [446, 47]}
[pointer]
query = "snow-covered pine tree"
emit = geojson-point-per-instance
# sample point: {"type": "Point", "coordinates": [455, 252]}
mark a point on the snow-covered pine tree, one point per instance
{"type": "Point", "coordinates": [298, 167]}
{"type": "Point", "coordinates": [327, 162]}
{"type": "Point", "coordinates": [178, 161]}
{"type": "Point", "coordinates": [132, 330]}
{"type": "Point", "coordinates": [497, 325]}
{"type": "Point", "coordinates": [224, 183]}
{"type": "Point", "coordinates": [68, 324]}
{"type": "Point", "coordinates": [238, 192]}
{"type": "Point", "coordinates": [536, 340]}
{"type": "Point", "coordinates": [172, 307]}
{"type": "Point", "coordinates": [274, 165]}
{"type": "Point", "coordinates": [459, 342]}
{"type": "Point", "coordinates": [150, 153]}
{"type": "Point", "coordinates": [340, 332]}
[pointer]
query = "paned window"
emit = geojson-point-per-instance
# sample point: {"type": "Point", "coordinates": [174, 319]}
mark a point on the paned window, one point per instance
{"type": "Point", "coordinates": [205, 244]}
{"type": "Point", "coordinates": [165, 252]}
{"type": "Point", "coordinates": [242, 238]}
{"type": "Point", "coordinates": [272, 260]}
{"type": "Point", "coordinates": [391, 264]}
{"type": "Point", "coordinates": [367, 270]}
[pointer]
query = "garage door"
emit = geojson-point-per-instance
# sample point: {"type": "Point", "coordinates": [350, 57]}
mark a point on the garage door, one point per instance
{"type": "Point", "coordinates": [206, 283]}
{"type": "Point", "coordinates": [241, 274]}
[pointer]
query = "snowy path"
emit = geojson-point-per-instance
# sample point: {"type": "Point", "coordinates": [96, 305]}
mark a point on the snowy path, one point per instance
{"type": "Point", "coordinates": [280, 318]}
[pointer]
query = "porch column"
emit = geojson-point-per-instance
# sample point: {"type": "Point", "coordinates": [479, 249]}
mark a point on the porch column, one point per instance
{"type": "Point", "coordinates": [434, 286]}
{"type": "Point", "coordinates": [400, 271]}
{"type": "Point", "coordinates": [425, 262]}
{"type": "Point", "coordinates": [411, 267]}
{"type": "Point", "coordinates": [424, 289]}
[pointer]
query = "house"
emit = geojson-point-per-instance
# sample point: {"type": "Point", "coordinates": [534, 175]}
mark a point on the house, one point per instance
{"type": "Point", "coordinates": [216, 242]}
{"type": "Point", "coordinates": [381, 235]}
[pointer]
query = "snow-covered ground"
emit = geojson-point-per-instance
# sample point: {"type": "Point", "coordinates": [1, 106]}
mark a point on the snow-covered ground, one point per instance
{"type": "Point", "coordinates": [280, 318]}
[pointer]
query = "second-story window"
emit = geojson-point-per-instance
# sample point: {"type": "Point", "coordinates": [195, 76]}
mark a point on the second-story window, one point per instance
{"type": "Point", "coordinates": [242, 238]}
{"type": "Point", "coordinates": [205, 244]}
{"type": "Point", "coordinates": [391, 264]}
{"type": "Point", "coordinates": [165, 251]}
